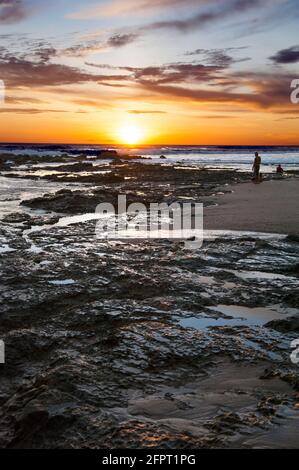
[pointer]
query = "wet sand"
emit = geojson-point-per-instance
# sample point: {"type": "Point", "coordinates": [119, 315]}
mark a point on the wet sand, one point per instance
{"type": "Point", "coordinates": [268, 207]}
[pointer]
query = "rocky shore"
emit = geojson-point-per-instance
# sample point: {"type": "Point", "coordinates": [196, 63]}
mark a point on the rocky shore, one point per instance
{"type": "Point", "coordinates": [140, 344]}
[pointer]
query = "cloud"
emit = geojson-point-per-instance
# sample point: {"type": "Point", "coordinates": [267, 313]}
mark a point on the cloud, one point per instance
{"type": "Point", "coordinates": [220, 57]}
{"type": "Point", "coordinates": [265, 92]}
{"type": "Point", "coordinates": [115, 41]}
{"type": "Point", "coordinates": [138, 111]}
{"type": "Point", "coordinates": [30, 110]}
{"type": "Point", "coordinates": [288, 119]}
{"type": "Point", "coordinates": [82, 50]}
{"type": "Point", "coordinates": [209, 11]}
{"type": "Point", "coordinates": [24, 73]}
{"type": "Point", "coordinates": [287, 56]}
{"type": "Point", "coordinates": [120, 40]}
{"type": "Point", "coordinates": [129, 7]}
{"type": "Point", "coordinates": [22, 100]}
{"type": "Point", "coordinates": [218, 116]}
{"type": "Point", "coordinates": [12, 11]}
{"type": "Point", "coordinates": [173, 73]}
{"type": "Point", "coordinates": [202, 95]}
{"type": "Point", "coordinates": [44, 54]}
{"type": "Point", "coordinates": [23, 46]}
{"type": "Point", "coordinates": [91, 102]}
{"type": "Point", "coordinates": [209, 84]}
{"type": "Point", "coordinates": [208, 79]}
{"type": "Point", "coordinates": [220, 11]}
{"type": "Point", "coordinates": [29, 48]}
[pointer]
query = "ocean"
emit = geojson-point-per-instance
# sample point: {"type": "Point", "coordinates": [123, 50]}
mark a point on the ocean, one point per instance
{"type": "Point", "coordinates": [235, 157]}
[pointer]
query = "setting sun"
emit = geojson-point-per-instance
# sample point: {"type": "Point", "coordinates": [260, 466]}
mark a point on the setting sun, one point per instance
{"type": "Point", "coordinates": [130, 135]}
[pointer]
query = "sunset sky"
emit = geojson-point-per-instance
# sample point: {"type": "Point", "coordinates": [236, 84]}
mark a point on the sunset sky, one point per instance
{"type": "Point", "coordinates": [153, 71]}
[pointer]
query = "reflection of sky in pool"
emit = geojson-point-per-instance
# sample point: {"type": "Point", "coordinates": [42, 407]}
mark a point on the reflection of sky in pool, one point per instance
{"type": "Point", "coordinates": [242, 316]}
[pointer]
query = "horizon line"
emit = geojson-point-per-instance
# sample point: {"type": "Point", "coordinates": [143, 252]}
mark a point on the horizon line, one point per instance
{"type": "Point", "coordinates": [148, 145]}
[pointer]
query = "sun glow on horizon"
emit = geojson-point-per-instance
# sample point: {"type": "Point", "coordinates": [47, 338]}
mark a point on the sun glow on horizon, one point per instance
{"type": "Point", "coordinates": [130, 135]}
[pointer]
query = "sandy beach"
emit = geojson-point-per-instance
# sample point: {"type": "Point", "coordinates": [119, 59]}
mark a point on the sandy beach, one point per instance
{"type": "Point", "coordinates": [270, 207]}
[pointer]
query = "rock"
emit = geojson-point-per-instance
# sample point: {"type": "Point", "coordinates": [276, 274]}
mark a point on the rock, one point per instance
{"type": "Point", "coordinates": [118, 162]}
{"type": "Point", "coordinates": [293, 238]}
{"type": "Point", "coordinates": [292, 299]}
{"type": "Point", "coordinates": [73, 202]}
{"type": "Point", "coordinates": [89, 325]}
{"type": "Point", "coordinates": [17, 218]}
{"type": "Point", "coordinates": [88, 178]}
{"type": "Point", "coordinates": [29, 421]}
{"type": "Point", "coordinates": [285, 326]}
{"type": "Point", "coordinates": [293, 270]}
{"type": "Point", "coordinates": [131, 157]}
{"type": "Point", "coordinates": [108, 154]}
{"type": "Point", "coordinates": [32, 416]}
{"type": "Point", "coordinates": [73, 168]}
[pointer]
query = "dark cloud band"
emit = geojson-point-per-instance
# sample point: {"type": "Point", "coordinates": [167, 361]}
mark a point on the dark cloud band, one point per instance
{"type": "Point", "coordinates": [287, 56]}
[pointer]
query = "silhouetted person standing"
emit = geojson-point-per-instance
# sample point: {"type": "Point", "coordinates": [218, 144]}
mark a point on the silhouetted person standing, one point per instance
{"type": "Point", "coordinates": [256, 168]}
